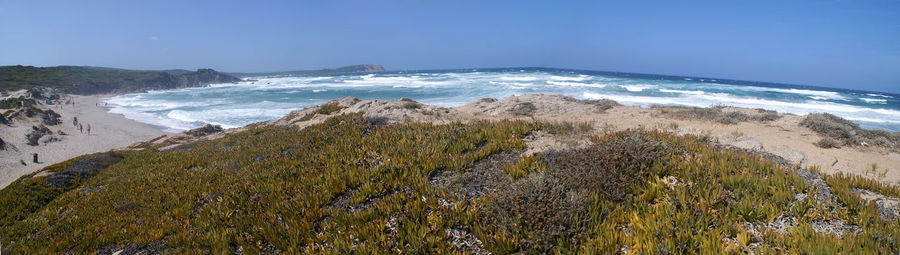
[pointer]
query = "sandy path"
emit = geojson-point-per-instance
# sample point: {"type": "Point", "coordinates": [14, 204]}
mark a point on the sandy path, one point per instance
{"type": "Point", "coordinates": [108, 131]}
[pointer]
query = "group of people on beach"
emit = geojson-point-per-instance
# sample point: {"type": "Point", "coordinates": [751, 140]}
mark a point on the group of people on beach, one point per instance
{"type": "Point", "coordinates": [80, 126]}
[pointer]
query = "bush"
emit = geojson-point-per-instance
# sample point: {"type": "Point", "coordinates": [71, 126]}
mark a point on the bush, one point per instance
{"type": "Point", "coordinates": [847, 132]}
{"type": "Point", "coordinates": [832, 126]}
{"type": "Point", "coordinates": [323, 109]}
{"type": "Point", "coordinates": [329, 108]}
{"type": "Point", "coordinates": [523, 109]}
{"type": "Point", "coordinates": [701, 113]}
{"type": "Point", "coordinates": [766, 115]}
{"type": "Point", "coordinates": [205, 130]}
{"type": "Point", "coordinates": [36, 134]}
{"type": "Point", "coordinates": [540, 208]}
{"type": "Point", "coordinates": [731, 118]}
{"type": "Point", "coordinates": [716, 114]}
{"type": "Point", "coordinates": [602, 104]}
{"type": "Point", "coordinates": [51, 118]}
{"type": "Point", "coordinates": [828, 143]}
{"type": "Point", "coordinates": [411, 105]}
{"type": "Point", "coordinates": [546, 206]}
{"type": "Point", "coordinates": [609, 166]}
{"type": "Point", "coordinates": [10, 103]}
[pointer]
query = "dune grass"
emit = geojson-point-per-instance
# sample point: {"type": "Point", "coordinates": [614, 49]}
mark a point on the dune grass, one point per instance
{"type": "Point", "coordinates": [344, 186]}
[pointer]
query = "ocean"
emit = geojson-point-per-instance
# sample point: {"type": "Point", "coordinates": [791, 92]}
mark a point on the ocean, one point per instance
{"type": "Point", "coordinates": [267, 98]}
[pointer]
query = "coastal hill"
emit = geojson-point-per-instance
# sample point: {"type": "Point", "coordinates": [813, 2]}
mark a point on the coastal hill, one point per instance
{"type": "Point", "coordinates": [527, 174]}
{"type": "Point", "coordinates": [85, 80]}
{"type": "Point", "coordinates": [368, 68]}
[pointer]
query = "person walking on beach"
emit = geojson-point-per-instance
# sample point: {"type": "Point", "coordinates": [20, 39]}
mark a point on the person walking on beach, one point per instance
{"type": "Point", "coordinates": [89, 129]}
{"type": "Point", "coordinates": [80, 128]}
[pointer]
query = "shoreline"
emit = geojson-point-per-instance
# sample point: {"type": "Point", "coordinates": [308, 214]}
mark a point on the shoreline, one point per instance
{"type": "Point", "coordinates": [108, 131]}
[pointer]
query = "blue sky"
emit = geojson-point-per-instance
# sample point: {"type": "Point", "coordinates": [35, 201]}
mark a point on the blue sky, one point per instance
{"type": "Point", "coordinates": [846, 44]}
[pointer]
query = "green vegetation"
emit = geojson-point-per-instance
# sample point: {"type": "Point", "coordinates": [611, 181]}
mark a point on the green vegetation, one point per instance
{"type": "Point", "coordinates": [717, 114]}
{"type": "Point", "coordinates": [97, 80]}
{"type": "Point", "coordinates": [827, 143]}
{"type": "Point", "coordinates": [350, 185]}
{"type": "Point", "coordinates": [324, 109]}
{"type": "Point", "coordinates": [523, 109]}
{"type": "Point", "coordinates": [601, 104]}
{"type": "Point", "coordinates": [840, 132]}
{"type": "Point", "coordinates": [368, 68]}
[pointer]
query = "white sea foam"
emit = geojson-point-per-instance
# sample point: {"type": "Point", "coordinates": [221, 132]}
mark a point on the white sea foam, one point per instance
{"type": "Point", "coordinates": [843, 110]}
{"type": "Point", "coordinates": [636, 88]}
{"type": "Point", "coordinates": [269, 98]}
{"type": "Point", "coordinates": [169, 125]}
{"type": "Point", "coordinates": [878, 95]}
{"type": "Point", "coordinates": [577, 84]}
{"type": "Point", "coordinates": [518, 78]}
{"type": "Point", "coordinates": [569, 78]}
{"type": "Point", "coordinates": [874, 100]}
{"type": "Point", "coordinates": [818, 93]}
{"type": "Point", "coordinates": [692, 92]}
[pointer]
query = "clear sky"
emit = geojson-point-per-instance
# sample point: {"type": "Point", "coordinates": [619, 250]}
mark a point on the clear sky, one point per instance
{"type": "Point", "coordinates": [846, 44]}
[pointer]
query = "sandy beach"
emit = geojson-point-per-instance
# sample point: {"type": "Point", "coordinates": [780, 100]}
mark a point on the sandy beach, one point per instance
{"type": "Point", "coordinates": [108, 131]}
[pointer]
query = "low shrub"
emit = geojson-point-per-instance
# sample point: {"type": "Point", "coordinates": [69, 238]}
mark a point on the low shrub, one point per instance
{"type": "Point", "coordinates": [717, 114]}
{"type": "Point", "coordinates": [832, 126]}
{"type": "Point", "coordinates": [731, 118]}
{"type": "Point", "coordinates": [204, 130]}
{"type": "Point", "coordinates": [849, 133]}
{"type": "Point", "coordinates": [547, 206]}
{"type": "Point", "coordinates": [610, 165]}
{"type": "Point", "coordinates": [324, 109]}
{"type": "Point", "coordinates": [540, 209]}
{"type": "Point", "coordinates": [524, 109]}
{"type": "Point", "coordinates": [602, 104]}
{"type": "Point", "coordinates": [827, 143]}
{"type": "Point", "coordinates": [411, 105]}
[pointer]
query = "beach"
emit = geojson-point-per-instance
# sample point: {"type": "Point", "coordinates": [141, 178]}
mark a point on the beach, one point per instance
{"type": "Point", "coordinates": [108, 131]}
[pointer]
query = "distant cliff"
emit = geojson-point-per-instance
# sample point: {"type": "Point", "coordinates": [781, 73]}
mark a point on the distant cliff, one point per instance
{"type": "Point", "coordinates": [358, 69]}
{"type": "Point", "coordinates": [100, 80]}
{"type": "Point", "coordinates": [368, 68]}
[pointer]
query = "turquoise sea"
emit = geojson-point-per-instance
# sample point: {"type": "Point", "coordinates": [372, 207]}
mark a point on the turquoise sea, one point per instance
{"type": "Point", "coordinates": [271, 97]}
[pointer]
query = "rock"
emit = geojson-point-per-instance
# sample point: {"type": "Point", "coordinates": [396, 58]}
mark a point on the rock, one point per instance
{"type": "Point", "coordinates": [833, 227]}
{"type": "Point", "coordinates": [792, 156]}
{"type": "Point", "coordinates": [36, 134]}
{"type": "Point", "coordinates": [748, 143]}
{"type": "Point", "coordinates": [743, 142]}
{"type": "Point", "coordinates": [204, 130]}
{"type": "Point", "coordinates": [888, 207]}
{"type": "Point", "coordinates": [48, 139]}
{"type": "Point", "coordinates": [465, 242]}
{"type": "Point", "coordinates": [725, 138]}
{"type": "Point", "coordinates": [50, 118]}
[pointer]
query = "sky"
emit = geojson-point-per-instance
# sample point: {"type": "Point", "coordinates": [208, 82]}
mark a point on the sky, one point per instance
{"type": "Point", "coordinates": [843, 44]}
